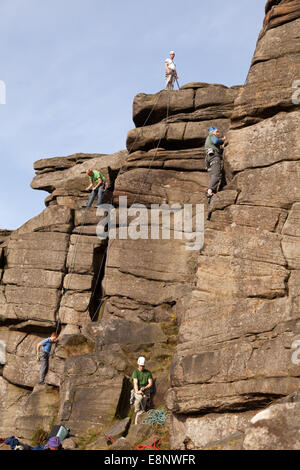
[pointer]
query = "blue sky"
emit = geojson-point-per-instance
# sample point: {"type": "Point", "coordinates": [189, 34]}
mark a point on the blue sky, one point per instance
{"type": "Point", "coordinates": [73, 67]}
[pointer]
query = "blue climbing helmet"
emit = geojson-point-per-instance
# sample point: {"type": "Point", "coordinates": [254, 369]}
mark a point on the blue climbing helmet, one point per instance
{"type": "Point", "coordinates": [212, 129]}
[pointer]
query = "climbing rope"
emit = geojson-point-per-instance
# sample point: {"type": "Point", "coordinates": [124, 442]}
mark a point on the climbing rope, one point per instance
{"type": "Point", "coordinates": [156, 150]}
{"type": "Point", "coordinates": [70, 271]}
{"type": "Point", "coordinates": [155, 446]}
{"type": "Point", "coordinates": [110, 439]}
{"type": "Point", "coordinates": [66, 288]}
{"type": "Point", "coordinates": [140, 188]}
{"type": "Point", "coordinates": [81, 230]}
{"type": "Point", "coordinates": [155, 417]}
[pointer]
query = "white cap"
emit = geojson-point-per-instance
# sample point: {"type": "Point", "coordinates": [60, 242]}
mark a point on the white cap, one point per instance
{"type": "Point", "coordinates": [141, 361]}
{"type": "Point", "coordinates": [172, 52]}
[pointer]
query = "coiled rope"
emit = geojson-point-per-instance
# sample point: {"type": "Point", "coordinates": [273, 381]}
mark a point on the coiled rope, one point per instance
{"type": "Point", "coordinates": [155, 417]}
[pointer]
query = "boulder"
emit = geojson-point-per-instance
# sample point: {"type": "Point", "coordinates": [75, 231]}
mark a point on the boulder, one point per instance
{"type": "Point", "coordinates": [275, 427]}
{"type": "Point", "coordinates": [21, 366]}
{"type": "Point", "coordinates": [74, 177]}
{"type": "Point", "coordinates": [121, 444]}
{"type": "Point", "coordinates": [208, 432]}
{"type": "Point", "coordinates": [38, 250]}
{"type": "Point", "coordinates": [139, 433]}
{"type": "Point", "coordinates": [92, 393]}
{"type": "Point", "coordinates": [233, 442]}
{"type": "Point", "coordinates": [39, 412]}
{"type": "Point", "coordinates": [52, 219]}
{"type": "Point", "coordinates": [99, 444]}
{"type": "Point", "coordinates": [118, 430]}
{"type": "Point", "coordinates": [69, 444]}
{"type": "Point", "coordinates": [182, 101]}
{"type": "Point", "coordinates": [253, 146]}
{"type": "Point", "coordinates": [13, 400]}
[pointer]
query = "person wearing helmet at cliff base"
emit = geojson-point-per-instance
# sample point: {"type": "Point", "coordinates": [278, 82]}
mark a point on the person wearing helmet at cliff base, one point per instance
{"type": "Point", "coordinates": [142, 383]}
{"type": "Point", "coordinates": [214, 148]}
{"type": "Point", "coordinates": [171, 73]}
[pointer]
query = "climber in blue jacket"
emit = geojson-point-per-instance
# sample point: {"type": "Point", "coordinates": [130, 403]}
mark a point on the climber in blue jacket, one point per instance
{"type": "Point", "coordinates": [214, 147]}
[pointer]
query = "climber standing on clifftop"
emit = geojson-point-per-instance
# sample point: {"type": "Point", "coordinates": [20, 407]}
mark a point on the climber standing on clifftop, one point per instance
{"type": "Point", "coordinates": [214, 148]}
{"type": "Point", "coordinates": [171, 73]}
{"type": "Point", "coordinates": [97, 179]}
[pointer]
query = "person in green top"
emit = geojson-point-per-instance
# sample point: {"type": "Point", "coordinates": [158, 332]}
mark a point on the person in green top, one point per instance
{"type": "Point", "coordinates": [142, 383]}
{"type": "Point", "coordinates": [97, 183]}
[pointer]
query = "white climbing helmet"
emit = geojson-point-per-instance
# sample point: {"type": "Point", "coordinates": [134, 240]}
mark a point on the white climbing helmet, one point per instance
{"type": "Point", "coordinates": [141, 361]}
{"type": "Point", "coordinates": [172, 53]}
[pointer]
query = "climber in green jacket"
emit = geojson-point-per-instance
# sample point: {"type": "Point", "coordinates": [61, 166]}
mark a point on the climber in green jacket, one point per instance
{"type": "Point", "coordinates": [97, 184]}
{"type": "Point", "coordinates": [214, 147]}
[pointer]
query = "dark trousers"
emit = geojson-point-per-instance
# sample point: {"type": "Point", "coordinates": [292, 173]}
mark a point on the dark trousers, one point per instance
{"type": "Point", "coordinates": [215, 172]}
{"type": "Point", "coordinates": [44, 360]}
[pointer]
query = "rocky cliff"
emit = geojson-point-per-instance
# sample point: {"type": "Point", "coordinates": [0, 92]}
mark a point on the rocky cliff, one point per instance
{"type": "Point", "coordinates": [217, 325]}
{"type": "Point", "coordinates": [235, 341]}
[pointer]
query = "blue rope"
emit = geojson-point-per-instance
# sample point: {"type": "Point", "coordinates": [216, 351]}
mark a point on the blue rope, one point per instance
{"type": "Point", "coordinates": [156, 417]}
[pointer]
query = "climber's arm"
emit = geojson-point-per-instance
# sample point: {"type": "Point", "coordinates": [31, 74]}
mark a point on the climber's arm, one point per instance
{"type": "Point", "coordinates": [216, 141]}
{"type": "Point", "coordinates": [136, 386]}
{"type": "Point", "coordinates": [150, 383]}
